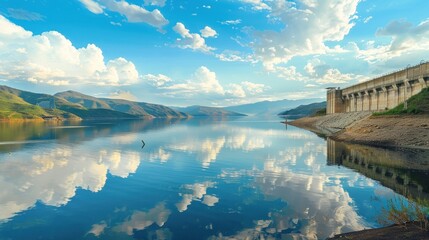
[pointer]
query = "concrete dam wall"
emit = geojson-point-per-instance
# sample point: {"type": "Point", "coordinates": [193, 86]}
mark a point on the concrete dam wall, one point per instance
{"type": "Point", "coordinates": [381, 93]}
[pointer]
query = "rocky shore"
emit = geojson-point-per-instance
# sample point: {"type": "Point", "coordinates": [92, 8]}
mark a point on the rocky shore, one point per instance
{"type": "Point", "coordinates": [408, 131]}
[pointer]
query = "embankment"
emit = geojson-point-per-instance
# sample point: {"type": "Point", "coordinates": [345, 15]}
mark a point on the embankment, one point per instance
{"type": "Point", "coordinates": [410, 131]}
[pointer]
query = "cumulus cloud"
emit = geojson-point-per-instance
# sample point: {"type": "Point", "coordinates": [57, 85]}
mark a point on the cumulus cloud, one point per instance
{"type": "Point", "coordinates": [193, 41]}
{"type": "Point", "coordinates": [405, 39]}
{"type": "Point", "coordinates": [207, 32]}
{"type": "Point", "coordinates": [204, 81]}
{"type": "Point", "coordinates": [323, 73]}
{"type": "Point", "coordinates": [51, 58]}
{"type": "Point", "coordinates": [308, 25]}
{"type": "Point", "coordinates": [236, 90]}
{"type": "Point", "coordinates": [132, 12]}
{"type": "Point", "coordinates": [156, 80]}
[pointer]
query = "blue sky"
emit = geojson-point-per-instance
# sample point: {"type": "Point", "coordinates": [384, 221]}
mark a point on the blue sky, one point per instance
{"type": "Point", "coordinates": [215, 52]}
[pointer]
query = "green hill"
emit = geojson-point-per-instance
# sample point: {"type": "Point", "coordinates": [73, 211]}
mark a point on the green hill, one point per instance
{"type": "Point", "coordinates": [18, 104]}
{"type": "Point", "coordinates": [139, 109]}
{"type": "Point", "coordinates": [305, 110]}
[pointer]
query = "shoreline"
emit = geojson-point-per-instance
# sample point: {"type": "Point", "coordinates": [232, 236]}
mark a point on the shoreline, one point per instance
{"type": "Point", "coordinates": [396, 131]}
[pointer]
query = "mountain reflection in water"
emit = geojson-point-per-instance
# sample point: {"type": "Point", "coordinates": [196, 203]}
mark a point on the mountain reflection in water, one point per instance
{"type": "Point", "coordinates": [194, 179]}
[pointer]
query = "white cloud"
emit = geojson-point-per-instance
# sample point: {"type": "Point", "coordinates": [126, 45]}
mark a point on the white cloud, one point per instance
{"type": "Point", "coordinates": [193, 41]}
{"type": "Point", "coordinates": [308, 25]}
{"type": "Point", "coordinates": [231, 22]}
{"type": "Point", "coordinates": [156, 80]}
{"type": "Point", "coordinates": [257, 4]}
{"type": "Point", "coordinates": [207, 32]}
{"type": "Point", "coordinates": [132, 12]}
{"type": "Point", "coordinates": [236, 90]}
{"type": "Point", "coordinates": [235, 56]}
{"type": "Point", "coordinates": [51, 58]}
{"type": "Point", "coordinates": [160, 3]}
{"type": "Point", "coordinates": [405, 38]}
{"type": "Point", "coordinates": [253, 88]}
{"type": "Point", "coordinates": [323, 73]}
{"type": "Point", "coordinates": [204, 81]}
{"type": "Point", "coordinates": [289, 73]}
{"type": "Point", "coordinates": [92, 6]}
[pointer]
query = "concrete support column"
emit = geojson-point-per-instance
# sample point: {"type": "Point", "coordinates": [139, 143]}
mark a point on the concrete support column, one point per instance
{"type": "Point", "coordinates": [376, 100]}
{"type": "Point", "coordinates": [408, 90]}
{"type": "Point", "coordinates": [368, 99]}
{"type": "Point", "coordinates": [396, 96]}
{"type": "Point", "coordinates": [423, 82]}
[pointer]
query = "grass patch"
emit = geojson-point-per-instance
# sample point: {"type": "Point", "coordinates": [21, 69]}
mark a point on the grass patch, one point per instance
{"type": "Point", "coordinates": [417, 104]}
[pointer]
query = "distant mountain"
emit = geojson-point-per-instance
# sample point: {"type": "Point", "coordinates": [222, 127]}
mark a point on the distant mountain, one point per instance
{"type": "Point", "coordinates": [139, 109]}
{"type": "Point", "coordinates": [305, 110]}
{"type": "Point", "coordinates": [269, 108]}
{"type": "Point", "coordinates": [202, 111]}
{"type": "Point", "coordinates": [142, 108]}
{"type": "Point", "coordinates": [18, 104]}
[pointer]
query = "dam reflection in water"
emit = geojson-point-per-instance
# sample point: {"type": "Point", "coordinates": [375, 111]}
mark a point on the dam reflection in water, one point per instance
{"type": "Point", "coordinates": [406, 171]}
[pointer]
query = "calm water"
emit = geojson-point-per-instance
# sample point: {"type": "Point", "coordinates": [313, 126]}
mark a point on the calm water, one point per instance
{"type": "Point", "coordinates": [194, 179]}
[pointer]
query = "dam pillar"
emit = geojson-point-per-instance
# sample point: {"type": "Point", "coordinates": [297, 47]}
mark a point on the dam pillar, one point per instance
{"type": "Point", "coordinates": [422, 82]}
{"type": "Point", "coordinates": [335, 102]}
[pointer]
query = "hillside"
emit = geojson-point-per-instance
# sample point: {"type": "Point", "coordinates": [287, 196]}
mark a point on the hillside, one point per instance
{"type": "Point", "coordinates": [269, 108]}
{"type": "Point", "coordinates": [137, 109]}
{"type": "Point", "coordinates": [304, 110]}
{"type": "Point", "coordinates": [141, 108]}
{"type": "Point", "coordinates": [18, 104]}
{"type": "Point", "coordinates": [202, 111]}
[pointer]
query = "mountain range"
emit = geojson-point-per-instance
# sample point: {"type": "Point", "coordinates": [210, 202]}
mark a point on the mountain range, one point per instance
{"type": "Point", "coordinates": [19, 104]}
{"type": "Point", "coordinates": [270, 108]}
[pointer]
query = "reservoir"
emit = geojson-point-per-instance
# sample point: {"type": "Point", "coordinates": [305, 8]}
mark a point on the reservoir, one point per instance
{"type": "Point", "coordinates": [195, 178]}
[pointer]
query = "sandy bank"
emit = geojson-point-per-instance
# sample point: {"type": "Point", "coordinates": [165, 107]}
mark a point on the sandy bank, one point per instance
{"type": "Point", "coordinates": [411, 131]}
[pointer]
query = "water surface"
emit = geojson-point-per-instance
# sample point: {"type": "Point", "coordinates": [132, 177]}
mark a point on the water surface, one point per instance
{"type": "Point", "coordinates": [194, 179]}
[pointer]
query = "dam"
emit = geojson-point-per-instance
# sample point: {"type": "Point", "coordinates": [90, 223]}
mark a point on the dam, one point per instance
{"type": "Point", "coordinates": [381, 93]}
